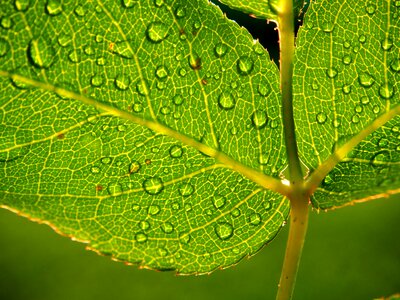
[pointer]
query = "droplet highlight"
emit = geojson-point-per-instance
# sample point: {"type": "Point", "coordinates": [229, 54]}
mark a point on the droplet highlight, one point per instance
{"type": "Point", "coordinates": [157, 32]}
{"type": "Point", "coordinates": [224, 230]}
{"type": "Point", "coordinates": [153, 185]}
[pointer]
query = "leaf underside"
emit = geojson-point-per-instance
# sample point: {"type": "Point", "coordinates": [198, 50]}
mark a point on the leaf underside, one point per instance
{"type": "Point", "coordinates": [347, 74]}
{"type": "Point", "coordinates": [131, 192]}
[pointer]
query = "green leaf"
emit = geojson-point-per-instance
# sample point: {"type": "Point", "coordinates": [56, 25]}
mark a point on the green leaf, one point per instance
{"type": "Point", "coordinates": [266, 9]}
{"type": "Point", "coordinates": [135, 126]}
{"type": "Point", "coordinates": [346, 84]}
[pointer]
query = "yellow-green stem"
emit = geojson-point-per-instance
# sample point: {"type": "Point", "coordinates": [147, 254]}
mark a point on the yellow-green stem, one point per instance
{"type": "Point", "coordinates": [294, 246]}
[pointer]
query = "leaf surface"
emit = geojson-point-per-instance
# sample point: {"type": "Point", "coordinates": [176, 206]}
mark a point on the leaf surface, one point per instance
{"type": "Point", "coordinates": [347, 73]}
{"type": "Point", "coordinates": [124, 124]}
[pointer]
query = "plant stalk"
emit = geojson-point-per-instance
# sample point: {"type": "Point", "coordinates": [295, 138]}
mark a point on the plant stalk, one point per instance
{"type": "Point", "coordinates": [294, 247]}
{"type": "Point", "coordinates": [286, 44]}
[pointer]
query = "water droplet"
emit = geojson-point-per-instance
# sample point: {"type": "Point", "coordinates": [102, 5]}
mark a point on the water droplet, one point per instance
{"type": "Point", "coordinates": [347, 59]}
{"type": "Point", "coordinates": [175, 206]}
{"type": "Point", "coordinates": [362, 38]}
{"type": "Point", "coordinates": [134, 167]}
{"type": "Point", "coordinates": [167, 227]}
{"type": "Point", "coordinates": [220, 49]}
{"type": "Point", "coordinates": [157, 32]}
{"type": "Point", "coordinates": [380, 159]}
{"type": "Point", "coordinates": [233, 130]}
{"type": "Point", "coordinates": [346, 44]}
{"type": "Point", "coordinates": [395, 128]}
{"type": "Point", "coordinates": [263, 89]}
{"type": "Point", "coordinates": [165, 110]}
{"type": "Point", "coordinates": [219, 201]}
{"type": "Point", "coordinates": [176, 151]}
{"type": "Point", "coordinates": [140, 237]}
{"type": "Point", "coordinates": [74, 56]}
{"type": "Point", "coordinates": [259, 119]}
{"type": "Point", "coordinates": [100, 61]}
{"type": "Point", "coordinates": [6, 23]}
{"type": "Point", "coordinates": [153, 185]}
{"type": "Point", "coordinates": [366, 80]}
{"type": "Point", "coordinates": [355, 119]}
{"type": "Point", "coordinates": [21, 5]}
{"type": "Point", "coordinates": [114, 188]}
{"type": "Point", "coordinates": [255, 219]}
{"type": "Point", "coordinates": [180, 12]}
{"type": "Point", "coordinates": [245, 65]}
{"type": "Point", "coordinates": [370, 9]}
{"type": "Point", "coordinates": [95, 170]}
{"type": "Point", "coordinates": [41, 53]}
{"type": "Point", "coordinates": [376, 109]}
{"type": "Point", "coordinates": [364, 100]}
{"type": "Point", "coordinates": [123, 49]}
{"type": "Point", "coordinates": [386, 91]}
{"type": "Point", "coordinates": [328, 27]}
{"type": "Point", "coordinates": [346, 89]}
{"type": "Point", "coordinates": [153, 210]}
{"type": "Point", "coordinates": [224, 230]}
{"type": "Point", "coordinates": [184, 238]}
{"type": "Point", "coordinates": [182, 72]}
{"type": "Point", "coordinates": [331, 72]}
{"type": "Point", "coordinates": [328, 180]}
{"type": "Point", "coordinates": [194, 61]}
{"type": "Point", "coordinates": [135, 207]}
{"type": "Point", "coordinates": [267, 205]}
{"type": "Point", "coordinates": [387, 44]}
{"type": "Point", "coordinates": [188, 207]}
{"type": "Point", "coordinates": [395, 65]}
{"type": "Point", "coordinates": [80, 11]}
{"type": "Point", "coordinates": [137, 107]}
{"type": "Point", "coordinates": [122, 81]}
{"type": "Point", "coordinates": [358, 108]}
{"type": "Point", "coordinates": [161, 73]}
{"type": "Point", "coordinates": [226, 101]}
{"type": "Point", "coordinates": [383, 143]}
{"type": "Point", "coordinates": [141, 88]}
{"type": "Point", "coordinates": [315, 85]}
{"type": "Point", "coordinates": [177, 99]}
{"type": "Point", "coordinates": [53, 7]}
{"type": "Point", "coordinates": [321, 118]}
{"type": "Point", "coordinates": [89, 50]}
{"type": "Point", "coordinates": [106, 160]}
{"type": "Point", "coordinates": [186, 189]}
{"type": "Point", "coordinates": [235, 213]}
{"type": "Point", "coordinates": [129, 3]}
{"type": "Point", "coordinates": [4, 47]}
{"type": "Point", "coordinates": [144, 225]}
{"type": "Point", "coordinates": [97, 80]}
{"type": "Point", "coordinates": [158, 3]}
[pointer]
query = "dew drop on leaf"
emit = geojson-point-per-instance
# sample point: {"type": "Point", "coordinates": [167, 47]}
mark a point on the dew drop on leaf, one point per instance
{"type": "Point", "coordinates": [122, 81]}
{"type": "Point", "coordinates": [153, 210]}
{"type": "Point", "coordinates": [364, 100]}
{"type": "Point", "coordinates": [158, 3]}
{"type": "Point", "coordinates": [184, 238]}
{"type": "Point", "coordinates": [153, 185]}
{"type": "Point", "coordinates": [167, 227]}
{"type": "Point", "coordinates": [134, 167]}
{"type": "Point", "coordinates": [366, 80]}
{"type": "Point", "coordinates": [74, 56]}
{"type": "Point", "coordinates": [141, 88]}
{"type": "Point", "coordinates": [263, 89]}
{"type": "Point", "coordinates": [106, 160]}
{"type": "Point", "coordinates": [267, 205]}
{"type": "Point", "coordinates": [188, 207]}
{"type": "Point", "coordinates": [346, 89]}
{"type": "Point", "coordinates": [140, 237]}
{"type": "Point", "coordinates": [358, 108]}
{"type": "Point", "coordinates": [144, 225]}
{"type": "Point", "coordinates": [321, 118]}
{"type": "Point", "coordinates": [96, 80]}
{"type": "Point", "coordinates": [255, 219]}
{"type": "Point", "coordinates": [53, 7]}
{"type": "Point", "coordinates": [346, 59]}
{"type": "Point", "coordinates": [380, 159]}
{"type": "Point", "coordinates": [128, 3]}
{"type": "Point", "coordinates": [245, 65]}
{"type": "Point", "coordinates": [383, 143]}
{"type": "Point", "coordinates": [186, 189]}
{"type": "Point", "coordinates": [180, 12]}
{"type": "Point", "coordinates": [95, 170]}
{"type": "Point", "coordinates": [123, 49]}
{"type": "Point", "coordinates": [226, 101]}
{"type": "Point", "coordinates": [386, 91]}
{"type": "Point", "coordinates": [362, 38]}
{"type": "Point", "coordinates": [114, 188]}
{"type": "Point", "coordinates": [387, 44]}
{"type": "Point", "coordinates": [370, 9]}
{"type": "Point", "coordinates": [220, 49]}
{"type": "Point", "coordinates": [41, 53]}
{"type": "Point", "coordinates": [80, 11]}
{"type": "Point", "coordinates": [156, 32]}
{"type": "Point", "coordinates": [394, 65]}
{"type": "Point", "coordinates": [355, 119]}
{"type": "Point", "coordinates": [176, 151]}
{"type": "Point", "coordinates": [219, 201]}
{"type": "Point", "coordinates": [376, 109]}
{"type": "Point", "coordinates": [194, 61]}
{"type": "Point", "coordinates": [259, 119]}
{"type": "Point", "coordinates": [161, 73]}
{"type": "Point", "coordinates": [177, 99]}
{"type": "Point", "coordinates": [235, 213]}
{"type": "Point", "coordinates": [331, 72]}
{"type": "Point", "coordinates": [224, 230]}
{"type": "Point", "coordinates": [6, 23]}
{"type": "Point", "coordinates": [4, 47]}
{"type": "Point", "coordinates": [21, 5]}
{"type": "Point", "coordinates": [328, 27]}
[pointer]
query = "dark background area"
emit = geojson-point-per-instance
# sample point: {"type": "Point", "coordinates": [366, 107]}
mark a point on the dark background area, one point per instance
{"type": "Point", "coordinates": [350, 253]}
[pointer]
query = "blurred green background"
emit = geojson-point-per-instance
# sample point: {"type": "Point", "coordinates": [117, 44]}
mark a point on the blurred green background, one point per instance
{"type": "Point", "coordinates": [350, 253]}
